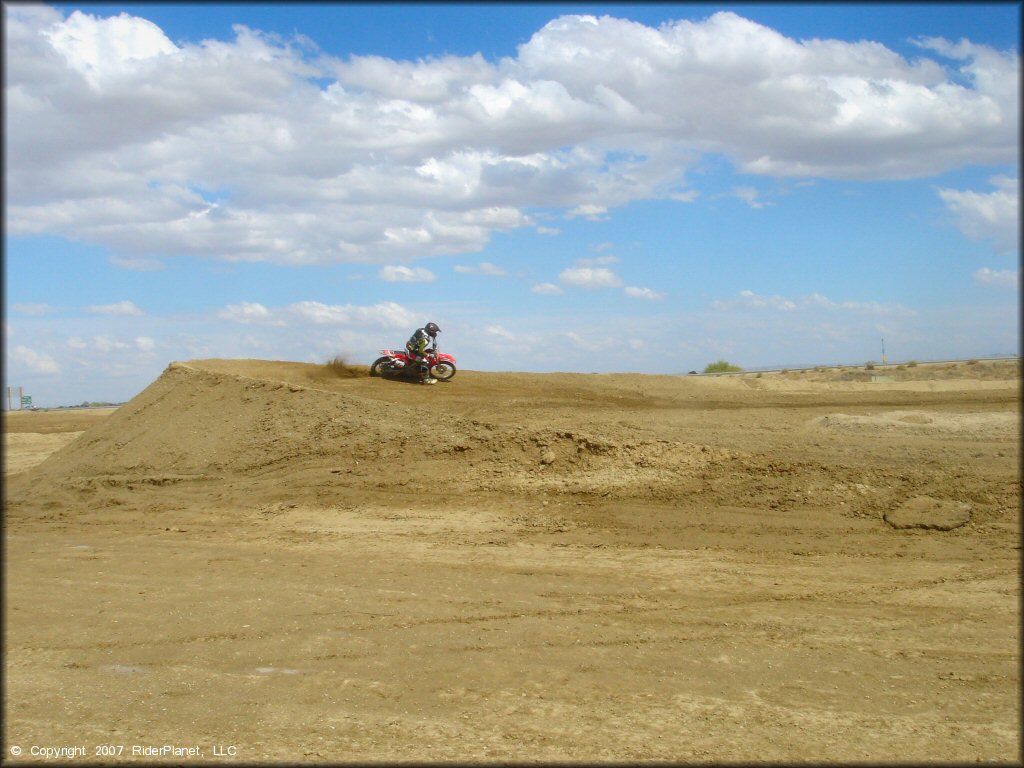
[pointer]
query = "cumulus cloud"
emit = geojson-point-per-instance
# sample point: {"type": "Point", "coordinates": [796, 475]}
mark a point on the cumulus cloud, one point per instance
{"type": "Point", "coordinates": [137, 264]}
{"type": "Point", "coordinates": [384, 315]}
{"type": "Point", "coordinates": [598, 261]}
{"type": "Point", "coordinates": [584, 343]}
{"type": "Point", "coordinates": [34, 362]}
{"type": "Point", "coordinates": [400, 274]}
{"type": "Point", "coordinates": [589, 211]}
{"type": "Point", "coordinates": [33, 309]}
{"type": "Point", "coordinates": [643, 293]}
{"type": "Point", "coordinates": [483, 268]}
{"type": "Point", "coordinates": [750, 300]}
{"type": "Point", "coordinates": [589, 277]}
{"type": "Point", "coordinates": [747, 299]}
{"type": "Point", "coordinates": [549, 289]}
{"type": "Point", "coordinates": [499, 332]}
{"type": "Point", "coordinates": [120, 308]}
{"type": "Point", "coordinates": [99, 49]}
{"type": "Point", "coordinates": [109, 344]}
{"type": "Point", "coordinates": [502, 342]}
{"type": "Point", "coordinates": [258, 148]}
{"type": "Point", "coordinates": [1003, 278]}
{"type": "Point", "coordinates": [750, 196]}
{"type": "Point", "coordinates": [248, 312]}
{"type": "Point", "coordinates": [993, 216]}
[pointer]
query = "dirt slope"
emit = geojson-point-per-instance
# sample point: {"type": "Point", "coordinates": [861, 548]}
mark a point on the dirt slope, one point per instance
{"type": "Point", "coordinates": [296, 432]}
{"type": "Point", "coordinates": [524, 566]}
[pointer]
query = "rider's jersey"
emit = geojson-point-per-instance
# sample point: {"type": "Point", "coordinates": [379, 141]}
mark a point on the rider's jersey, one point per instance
{"type": "Point", "coordinates": [418, 342]}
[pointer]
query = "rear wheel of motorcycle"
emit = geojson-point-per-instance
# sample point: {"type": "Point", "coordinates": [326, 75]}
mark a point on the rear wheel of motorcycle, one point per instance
{"type": "Point", "coordinates": [379, 366]}
{"type": "Point", "coordinates": [443, 371]}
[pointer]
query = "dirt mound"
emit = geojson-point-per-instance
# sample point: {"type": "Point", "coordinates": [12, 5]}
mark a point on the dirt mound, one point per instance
{"type": "Point", "coordinates": [209, 423]}
{"type": "Point", "coordinates": [228, 431]}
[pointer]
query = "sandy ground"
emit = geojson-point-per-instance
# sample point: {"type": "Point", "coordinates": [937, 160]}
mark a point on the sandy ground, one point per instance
{"type": "Point", "coordinates": [263, 561]}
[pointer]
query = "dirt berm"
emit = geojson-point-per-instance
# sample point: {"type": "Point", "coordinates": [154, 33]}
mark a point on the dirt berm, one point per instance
{"type": "Point", "coordinates": [312, 566]}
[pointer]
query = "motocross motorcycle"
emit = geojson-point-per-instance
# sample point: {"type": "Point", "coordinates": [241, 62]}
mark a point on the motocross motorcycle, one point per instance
{"type": "Point", "coordinates": [395, 362]}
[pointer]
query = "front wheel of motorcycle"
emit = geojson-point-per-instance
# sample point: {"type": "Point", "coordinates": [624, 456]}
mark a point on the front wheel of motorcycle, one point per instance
{"type": "Point", "coordinates": [380, 366]}
{"type": "Point", "coordinates": [443, 371]}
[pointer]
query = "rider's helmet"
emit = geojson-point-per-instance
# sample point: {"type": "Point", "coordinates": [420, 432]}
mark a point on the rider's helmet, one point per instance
{"type": "Point", "coordinates": [432, 329]}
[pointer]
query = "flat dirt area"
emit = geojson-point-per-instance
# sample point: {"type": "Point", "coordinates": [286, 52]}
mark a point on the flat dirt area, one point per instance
{"type": "Point", "coordinates": [268, 561]}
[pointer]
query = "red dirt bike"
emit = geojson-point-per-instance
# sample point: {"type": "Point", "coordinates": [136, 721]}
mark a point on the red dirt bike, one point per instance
{"type": "Point", "coordinates": [395, 362]}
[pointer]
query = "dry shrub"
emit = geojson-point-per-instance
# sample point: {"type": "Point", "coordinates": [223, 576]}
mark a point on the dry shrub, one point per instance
{"type": "Point", "coordinates": [722, 366]}
{"type": "Point", "coordinates": [338, 366]}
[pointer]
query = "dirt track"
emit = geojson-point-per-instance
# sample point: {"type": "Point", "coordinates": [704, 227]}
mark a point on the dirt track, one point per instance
{"type": "Point", "coordinates": [298, 566]}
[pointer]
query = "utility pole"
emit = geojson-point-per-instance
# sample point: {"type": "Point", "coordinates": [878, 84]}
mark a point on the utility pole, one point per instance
{"type": "Point", "coordinates": [883, 351]}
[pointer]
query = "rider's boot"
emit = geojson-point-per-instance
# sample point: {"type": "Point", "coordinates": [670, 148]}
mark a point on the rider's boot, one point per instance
{"type": "Point", "coordinates": [425, 377]}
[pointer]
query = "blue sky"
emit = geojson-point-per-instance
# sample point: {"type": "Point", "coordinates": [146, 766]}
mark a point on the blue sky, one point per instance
{"type": "Point", "coordinates": [577, 187]}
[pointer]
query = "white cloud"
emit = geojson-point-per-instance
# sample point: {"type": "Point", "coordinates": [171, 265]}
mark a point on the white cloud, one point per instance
{"type": "Point", "coordinates": [256, 148]}
{"type": "Point", "coordinates": [248, 312]}
{"type": "Point", "coordinates": [120, 308]}
{"type": "Point", "coordinates": [750, 196]}
{"type": "Point", "coordinates": [589, 211]}
{"type": "Point", "coordinates": [590, 277]}
{"type": "Point", "coordinates": [500, 333]}
{"type": "Point", "coordinates": [1005, 278]}
{"type": "Point", "coordinates": [34, 362]}
{"type": "Point", "coordinates": [400, 274]}
{"type": "Point", "coordinates": [747, 299]}
{"type": "Point", "coordinates": [385, 315]}
{"type": "Point", "coordinates": [105, 344]}
{"type": "Point", "coordinates": [319, 313]}
{"type": "Point", "coordinates": [101, 49]}
{"type": "Point", "coordinates": [585, 344]}
{"type": "Point", "coordinates": [33, 309]}
{"type": "Point", "coordinates": [503, 343]}
{"type": "Point", "coordinates": [684, 197]}
{"type": "Point", "coordinates": [991, 216]}
{"type": "Point", "coordinates": [869, 307]}
{"type": "Point", "coordinates": [483, 268]}
{"type": "Point", "coordinates": [108, 344]}
{"type": "Point", "coordinates": [549, 289]}
{"type": "Point", "coordinates": [643, 293]}
{"type": "Point", "coordinates": [598, 261]}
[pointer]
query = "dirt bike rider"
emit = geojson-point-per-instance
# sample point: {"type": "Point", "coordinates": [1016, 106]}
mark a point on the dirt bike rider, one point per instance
{"type": "Point", "coordinates": [416, 346]}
